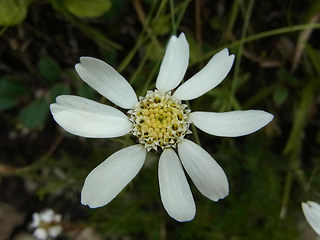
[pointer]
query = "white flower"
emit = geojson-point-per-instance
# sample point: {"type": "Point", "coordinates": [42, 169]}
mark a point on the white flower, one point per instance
{"type": "Point", "coordinates": [158, 121]}
{"type": "Point", "coordinates": [311, 211]}
{"type": "Point", "coordinates": [46, 224]}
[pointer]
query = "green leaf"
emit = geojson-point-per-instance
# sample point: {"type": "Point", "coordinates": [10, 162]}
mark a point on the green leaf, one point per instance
{"type": "Point", "coordinates": [49, 68]}
{"type": "Point", "coordinates": [59, 89]}
{"type": "Point", "coordinates": [7, 103]}
{"type": "Point", "coordinates": [11, 90]}
{"type": "Point", "coordinates": [85, 8]}
{"type": "Point", "coordinates": [154, 51]}
{"type": "Point", "coordinates": [161, 26]}
{"type": "Point", "coordinates": [13, 86]}
{"type": "Point", "coordinates": [13, 12]}
{"type": "Point", "coordinates": [118, 7]}
{"type": "Point", "coordinates": [280, 95]}
{"type": "Point", "coordinates": [35, 114]}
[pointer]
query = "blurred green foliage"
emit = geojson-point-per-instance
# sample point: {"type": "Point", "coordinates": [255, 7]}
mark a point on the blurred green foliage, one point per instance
{"type": "Point", "coordinates": [83, 8]}
{"type": "Point", "coordinates": [11, 90]}
{"type": "Point", "coordinates": [13, 12]}
{"type": "Point", "coordinates": [49, 69]}
{"type": "Point", "coordinates": [35, 113]}
{"type": "Point", "coordinates": [277, 69]}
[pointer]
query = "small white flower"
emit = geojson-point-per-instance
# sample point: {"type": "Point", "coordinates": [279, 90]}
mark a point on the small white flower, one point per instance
{"type": "Point", "coordinates": [46, 224]}
{"type": "Point", "coordinates": [159, 121]}
{"type": "Point", "coordinates": [311, 211]}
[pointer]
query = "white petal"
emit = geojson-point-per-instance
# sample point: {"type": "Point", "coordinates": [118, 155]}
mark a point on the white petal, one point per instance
{"type": "Point", "coordinates": [40, 233]}
{"type": "Point", "coordinates": [175, 192]}
{"type": "Point", "coordinates": [55, 231]}
{"type": "Point", "coordinates": [47, 215]}
{"type": "Point", "coordinates": [87, 118]}
{"type": "Point", "coordinates": [208, 78]}
{"type": "Point", "coordinates": [35, 220]}
{"type": "Point", "coordinates": [107, 180]}
{"type": "Point", "coordinates": [204, 171]}
{"type": "Point", "coordinates": [230, 124]}
{"type": "Point", "coordinates": [174, 63]}
{"type": "Point", "coordinates": [311, 211]}
{"type": "Point", "coordinates": [57, 218]}
{"type": "Point", "coordinates": [107, 81]}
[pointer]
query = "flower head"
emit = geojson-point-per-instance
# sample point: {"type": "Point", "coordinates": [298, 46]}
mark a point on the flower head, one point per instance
{"type": "Point", "coordinates": [46, 224]}
{"type": "Point", "coordinates": [311, 211]}
{"type": "Point", "coordinates": [159, 121]}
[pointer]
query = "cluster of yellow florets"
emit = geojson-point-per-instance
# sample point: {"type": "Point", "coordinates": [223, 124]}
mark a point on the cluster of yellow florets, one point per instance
{"type": "Point", "coordinates": [160, 120]}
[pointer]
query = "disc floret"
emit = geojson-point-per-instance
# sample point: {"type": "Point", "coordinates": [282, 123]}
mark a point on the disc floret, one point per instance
{"type": "Point", "coordinates": [159, 120]}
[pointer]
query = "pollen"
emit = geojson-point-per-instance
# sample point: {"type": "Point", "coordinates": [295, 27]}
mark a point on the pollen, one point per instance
{"type": "Point", "coordinates": [159, 120]}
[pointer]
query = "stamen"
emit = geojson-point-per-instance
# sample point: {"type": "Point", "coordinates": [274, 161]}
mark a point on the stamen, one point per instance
{"type": "Point", "coordinates": [159, 120]}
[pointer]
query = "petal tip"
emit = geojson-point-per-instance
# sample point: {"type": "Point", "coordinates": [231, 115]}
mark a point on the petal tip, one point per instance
{"type": "Point", "coordinates": [232, 57]}
{"type": "Point", "coordinates": [222, 194]}
{"type": "Point", "coordinates": [268, 117]}
{"type": "Point", "coordinates": [78, 67]}
{"type": "Point", "coordinates": [303, 205]}
{"type": "Point", "coordinates": [84, 201]}
{"type": "Point", "coordinates": [173, 38]}
{"type": "Point", "coordinates": [225, 194]}
{"type": "Point", "coordinates": [188, 219]}
{"type": "Point", "coordinates": [225, 51]}
{"type": "Point", "coordinates": [87, 201]}
{"type": "Point", "coordinates": [182, 36]}
{"type": "Point", "coordinates": [184, 42]}
{"type": "Point", "coordinates": [225, 54]}
{"type": "Point", "coordinates": [60, 98]}
{"type": "Point", "coordinates": [51, 107]}
{"type": "Point", "coordinates": [84, 58]}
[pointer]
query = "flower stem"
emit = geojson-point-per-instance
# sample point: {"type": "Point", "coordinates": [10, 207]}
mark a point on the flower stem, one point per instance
{"type": "Point", "coordinates": [240, 51]}
{"type": "Point", "coordinates": [258, 36]}
{"type": "Point", "coordinates": [294, 145]}
{"type": "Point", "coordinates": [173, 21]}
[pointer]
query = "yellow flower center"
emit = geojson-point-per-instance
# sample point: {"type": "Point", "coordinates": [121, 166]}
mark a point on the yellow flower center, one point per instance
{"type": "Point", "coordinates": [159, 120]}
